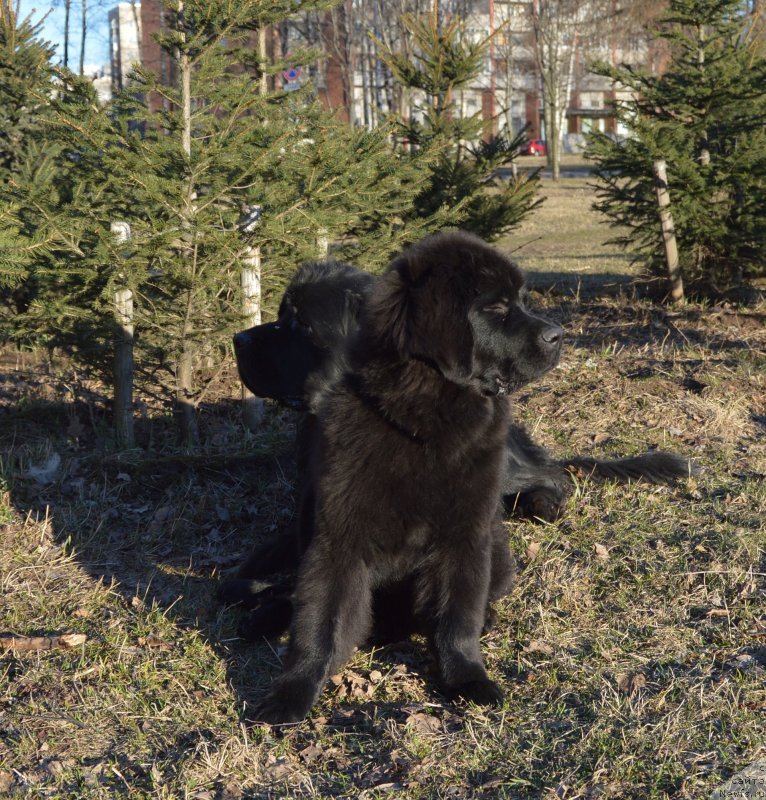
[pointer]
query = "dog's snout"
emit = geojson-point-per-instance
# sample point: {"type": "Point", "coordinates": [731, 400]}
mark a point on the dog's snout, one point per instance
{"type": "Point", "coordinates": [239, 340]}
{"type": "Point", "coordinates": [552, 335]}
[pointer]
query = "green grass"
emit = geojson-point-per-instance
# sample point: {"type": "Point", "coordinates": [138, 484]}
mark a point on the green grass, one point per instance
{"type": "Point", "coordinates": [632, 649]}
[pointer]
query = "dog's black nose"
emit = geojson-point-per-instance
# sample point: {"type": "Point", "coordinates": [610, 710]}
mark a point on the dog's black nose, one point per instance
{"type": "Point", "coordinates": [552, 335]}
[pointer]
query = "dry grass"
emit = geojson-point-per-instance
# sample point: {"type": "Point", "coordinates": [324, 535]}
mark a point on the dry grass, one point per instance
{"type": "Point", "coordinates": [632, 650]}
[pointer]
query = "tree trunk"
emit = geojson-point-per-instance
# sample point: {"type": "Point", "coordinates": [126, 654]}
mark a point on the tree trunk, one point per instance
{"type": "Point", "coordinates": [123, 354]}
{"type": "Point", "coordinates": [264, 82]}
{"type": "Point", "coordinates": [67, 11]}
{"type": "Point", "coordinates": [252, 406]}
{"type": "Point", "coordinates": [668, 232]}
{"type": "Point", "coordinates": [185, 405]}
{"type": "Point", "coordinates": [704, 143]}
{"type": "Point", "coordinates": [83, 32]}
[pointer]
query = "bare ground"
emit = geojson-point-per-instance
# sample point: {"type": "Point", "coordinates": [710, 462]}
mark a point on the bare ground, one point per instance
{"type": "Point", "coordinates": [633, 649]}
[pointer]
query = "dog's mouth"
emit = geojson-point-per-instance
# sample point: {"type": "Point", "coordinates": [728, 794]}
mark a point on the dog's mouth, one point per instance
{"type": "Point", "coordinates": [498, 386]}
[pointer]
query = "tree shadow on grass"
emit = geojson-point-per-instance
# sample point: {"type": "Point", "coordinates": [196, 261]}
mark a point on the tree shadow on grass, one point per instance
{"type": "Point", "coordinates": [579, 284]}
{"type": "Point", "coordinates": [160, 528]}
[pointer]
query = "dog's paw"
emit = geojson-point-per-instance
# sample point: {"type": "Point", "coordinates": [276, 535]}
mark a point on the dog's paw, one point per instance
{"type": "Point", "coordinates": [547, 506]}
{"type": "Point", "coordinates": [269, 620]}
{"type": "Point", "coordinates": [233, 591]}
{"type": "Point", "coordinates": [483, 692]}
{"type": "Point", "coordinates": [287, 702]}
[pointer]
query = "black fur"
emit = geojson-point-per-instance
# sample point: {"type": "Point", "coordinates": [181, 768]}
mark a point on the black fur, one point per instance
{"type": "Point", "coordinates": [422, 410]}
{"type": "Point", "coordinates": [296, 359]}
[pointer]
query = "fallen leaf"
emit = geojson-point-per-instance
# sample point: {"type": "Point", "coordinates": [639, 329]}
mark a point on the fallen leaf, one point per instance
{"type": "Point", "coordinates": [532, 550]}
{"type": "Point", "coordinates": [425, 723]}
{"type": "Point", "coordinates": [538, 646]}
{"type": "Point", "coordinates": [54, 767]}
{"type": "Point", "coordinates": [278, 768]}
{"type": "Point", "coordinates": [160, 515]}
{"type": "Point", "coordinates": [601, 551]}
{"type": "Point", "coordinates": [72, 639]}
{"type": "Point", "coordinates": [630, 684]}
{"type": "Point", "coordinates": [154, 642]}
{"type": "Point", "coordinates": [311, 753]}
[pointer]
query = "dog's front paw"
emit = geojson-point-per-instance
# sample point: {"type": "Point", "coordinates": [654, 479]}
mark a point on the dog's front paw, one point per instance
{"type": "Point", "coordinates": [269, 620]}
{"type": "Point", "coordinates": [287, 702]}
{"type": "Point", "coordinates": [545, 505]}
{"type": "Point", "coordinates": [483, 692]}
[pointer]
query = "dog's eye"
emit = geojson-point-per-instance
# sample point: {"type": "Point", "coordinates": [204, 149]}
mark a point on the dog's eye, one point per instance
{"type": "Point", "coordinates": [496, 308]}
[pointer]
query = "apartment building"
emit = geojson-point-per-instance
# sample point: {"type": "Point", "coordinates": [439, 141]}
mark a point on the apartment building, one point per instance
{"type": "Point", "coordinates": [124, 42]}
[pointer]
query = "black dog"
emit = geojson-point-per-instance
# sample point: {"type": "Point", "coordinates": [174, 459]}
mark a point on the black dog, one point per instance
{"type": "Point", "coordinates": [296, 359]}
{"type": "Point", "coordinates": [423, 409]}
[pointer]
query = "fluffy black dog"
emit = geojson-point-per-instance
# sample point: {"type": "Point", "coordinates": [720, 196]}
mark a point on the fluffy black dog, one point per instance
{"type": "Point", "coordinates": [444, 339]}
{"type": "Point", "coordinates": [295, 360]}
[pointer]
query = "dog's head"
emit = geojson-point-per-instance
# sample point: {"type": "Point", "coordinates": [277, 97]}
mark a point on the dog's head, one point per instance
{"type": "Point", "coordinates": [454, 301]}
{"type": "Point", "coordinates": [292, 359]}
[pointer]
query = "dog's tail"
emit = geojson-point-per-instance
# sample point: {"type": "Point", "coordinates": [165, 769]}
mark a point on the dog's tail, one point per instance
{"type": "Point", "coordinates": [655, 466]}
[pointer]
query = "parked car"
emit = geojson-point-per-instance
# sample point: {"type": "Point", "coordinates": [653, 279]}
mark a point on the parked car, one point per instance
{"type": "Point", "coordinates": [534, 147]}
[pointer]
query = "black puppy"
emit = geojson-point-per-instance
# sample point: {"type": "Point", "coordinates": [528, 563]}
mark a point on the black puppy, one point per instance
{"type": "Point", "coordinates": [423, 409]}
{"type": "Point", "coordinates": [295, 359]}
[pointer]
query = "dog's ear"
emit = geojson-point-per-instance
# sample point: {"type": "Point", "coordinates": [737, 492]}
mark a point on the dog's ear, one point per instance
{"type": "Point", "coordinates": [389, 309]}
{"type": "Point", "coordinates": [353, 303]}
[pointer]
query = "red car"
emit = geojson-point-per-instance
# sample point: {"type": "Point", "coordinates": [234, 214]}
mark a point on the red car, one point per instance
{"type": "Point", "coordinates": [534, 147]}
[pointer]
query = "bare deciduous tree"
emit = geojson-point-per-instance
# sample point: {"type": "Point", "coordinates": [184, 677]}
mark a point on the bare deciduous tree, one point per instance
{"type": "Point", "coordinates": [566, 35]}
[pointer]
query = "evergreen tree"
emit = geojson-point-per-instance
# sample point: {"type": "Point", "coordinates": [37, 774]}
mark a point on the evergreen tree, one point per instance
{"type": "Point", "coordinates": [705, 117]}
{"type": "Point", "coordinates": [184, 165]}
{"type": "Point", "coordinates": [461, 185]}
{"type": "Point", "coordinates": [26, 83]}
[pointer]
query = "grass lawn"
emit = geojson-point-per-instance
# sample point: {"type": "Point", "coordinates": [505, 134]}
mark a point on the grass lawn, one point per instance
{"type": "Point", "coordinates": [633, 649]}
{"type": "Point", "coordinates": [563, 244]}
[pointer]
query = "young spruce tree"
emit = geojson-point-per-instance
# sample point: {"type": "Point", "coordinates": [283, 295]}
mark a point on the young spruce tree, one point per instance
{"type": "Point", "coordinates": [705, 117]}
{"type": "Point", "coordinates": [26, 81]}
{"type": "Point", "coordinates": [462, 180]}
{"type": "Point", "coordinates": [185, 164]}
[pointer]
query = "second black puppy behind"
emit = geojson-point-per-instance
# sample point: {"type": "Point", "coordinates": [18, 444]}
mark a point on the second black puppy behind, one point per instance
{"type": "Point", "coordinates": [423, 410]}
